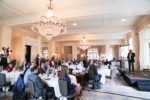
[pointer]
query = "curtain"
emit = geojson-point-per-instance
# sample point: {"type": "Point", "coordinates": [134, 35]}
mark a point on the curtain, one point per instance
{"type": "Point", "coordinates": [142, 55]}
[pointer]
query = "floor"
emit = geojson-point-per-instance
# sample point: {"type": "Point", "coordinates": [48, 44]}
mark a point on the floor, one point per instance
{"type": "Point", "coordinates": [116, 89]}
{"type": "Point", "coordinates": [139, 75]}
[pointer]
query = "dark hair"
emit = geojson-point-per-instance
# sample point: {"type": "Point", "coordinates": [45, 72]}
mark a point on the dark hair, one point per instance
{"type": "Point", "coordinates": [34, 68]}
{"type": "Point", "coordinates": [63, 72]}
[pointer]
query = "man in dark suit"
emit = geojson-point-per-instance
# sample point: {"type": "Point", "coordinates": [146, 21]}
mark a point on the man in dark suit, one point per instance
{"type": "Point", "coordinates": [131, 60]}
{"type": "Point", "coordinates": [3, 61]}
{"type": "Point", "coordinates": [93, 67]}
{"type": "Point", "coordinates": [40, 86]}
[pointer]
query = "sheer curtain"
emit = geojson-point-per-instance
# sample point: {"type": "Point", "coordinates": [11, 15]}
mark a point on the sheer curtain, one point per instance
{"type": "Point", "coordinates": [142, 55]}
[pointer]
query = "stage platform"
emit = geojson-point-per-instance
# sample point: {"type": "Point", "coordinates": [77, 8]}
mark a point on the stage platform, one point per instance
{"type": "Point", "coordinates": [138, 79]}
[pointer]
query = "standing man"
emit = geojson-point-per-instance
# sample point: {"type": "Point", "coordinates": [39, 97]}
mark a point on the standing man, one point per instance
{"type": "Point", "coordinates": [131, 60]}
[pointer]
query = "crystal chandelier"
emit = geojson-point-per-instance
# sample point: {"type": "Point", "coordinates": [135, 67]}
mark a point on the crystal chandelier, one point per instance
{"type": "Point", "coordinates": [84, 44]}
{"type": "Point", "coordinates": [49, 25]}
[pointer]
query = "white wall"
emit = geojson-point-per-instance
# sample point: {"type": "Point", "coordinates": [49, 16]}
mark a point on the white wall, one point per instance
{"type": "Point", "coordinates": [35, 47]}
{"type": "Point", "coordinates": [6, 36]}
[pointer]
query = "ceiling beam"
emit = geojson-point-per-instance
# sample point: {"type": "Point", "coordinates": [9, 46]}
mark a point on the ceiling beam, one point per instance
{"type": "Point", "coordinates": [93, 30]}
{"type": "Point", "coordinates": [89, 37]}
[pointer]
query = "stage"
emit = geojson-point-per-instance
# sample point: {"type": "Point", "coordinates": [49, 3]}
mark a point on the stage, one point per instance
{"type": "Point", "coordinates": [140, 79]}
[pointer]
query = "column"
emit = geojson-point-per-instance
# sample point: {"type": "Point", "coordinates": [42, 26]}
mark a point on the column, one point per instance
{"type": "Point", "coordinates": [74, 52]}
{"type": "Point", "coordinates": [51, 48]}
{"type": "Point", "coordinates": [0, 37]}
{"type": "Point", "coordinates": [135, 39]}
{"type": "Point", "coordinates": [6, 32]}
{"type": "Point", "coordinates": [107, 51]}
{"type": "Point", "coordinates": [62, 51]}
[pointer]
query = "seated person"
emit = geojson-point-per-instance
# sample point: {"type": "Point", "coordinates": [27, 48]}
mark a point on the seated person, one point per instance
{"type": "Point", "coordinates": [23, 67]}
{"type": "Point", "coordinates": [72, 88]}
{"type": "Point", "coordinates": [27, 73]}
{"type": "Point", "coordinates": [3, 61]}
{"type": "Point", "coordinates": [106, 62]}
{"type": "Point", "coordinates": [40, 86]}
{"type": "Point", "coordinates": [80, 67]}
{"type": "Point", "coordinates": [42, 69]}
{"type": "Point", "coordinates": [94, 68]}
{"type": "Point", "coordinates": [10, 67]}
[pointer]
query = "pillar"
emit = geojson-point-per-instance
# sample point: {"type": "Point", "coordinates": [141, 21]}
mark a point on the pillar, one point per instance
{"type": "Point", "coordinates": [51, 48]}
{"type": "Point", "coordinates": [107, 51]}
{"type": "Point", "coordinates": [74, 52]}
{"type": "Point", "coordinates": [135, 39]}
{"type": "Point", "coordinates": [6, 32]}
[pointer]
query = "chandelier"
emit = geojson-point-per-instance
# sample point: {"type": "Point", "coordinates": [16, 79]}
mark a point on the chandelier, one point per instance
{"type": "Point", "coordinates": [49, 25]}
{"type": "Point", "coordinates": [84, 44]}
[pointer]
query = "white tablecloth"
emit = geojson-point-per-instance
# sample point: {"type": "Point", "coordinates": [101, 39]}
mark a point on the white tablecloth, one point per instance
{"type": "Point", "coordinates": [104, 72]}
{"type": "Point", "coordinates": [12, 76]}
{"type": "Point", "coordinates": [53, 82]}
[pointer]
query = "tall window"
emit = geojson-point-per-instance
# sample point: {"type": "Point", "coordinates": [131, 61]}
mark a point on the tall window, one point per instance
{"type": "Point", "coordinates": [93, 54]}
{"type": "Point", "coordinates": [130, 44]}
{"type": "Point", "coordinates": [45, 52]}
{"type": "Point", "coordinates": [124, 51]}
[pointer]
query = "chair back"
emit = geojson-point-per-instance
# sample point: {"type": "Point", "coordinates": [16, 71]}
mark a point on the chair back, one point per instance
{"type": "Point", "coordinates": [113, 73]}
{"type": "Point", "coordinates": [91, 75]}
{"type": "Point", "coordinates": [2, 79]}
{"type": "Point", "coordinates": [31, 87]}
{"type": "Point", "coordinates": [63, 87]}
{"type": "Point", "coordinates": [70, 71]}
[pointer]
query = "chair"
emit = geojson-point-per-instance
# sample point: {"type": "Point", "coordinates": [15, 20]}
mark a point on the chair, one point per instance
{"type": "Point", "coordinates": [31, 88]}
{"type": "Point", "coordinates": [91, 77]}
{"type": "Point", "coordinates": [112, 74]}
{"type": "Point", "coordinates": [70, 71]}
{"type": "Point", "coordinates": [2, 79]}
{"type": "Point", "coordinates": [64, 89]}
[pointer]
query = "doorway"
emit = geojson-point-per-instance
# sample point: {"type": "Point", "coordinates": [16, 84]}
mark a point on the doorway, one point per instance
{"type": "Point", "coordinates": [28, 53]}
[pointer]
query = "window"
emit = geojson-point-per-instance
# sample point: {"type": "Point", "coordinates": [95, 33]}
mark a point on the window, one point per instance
{"type": "Point", "coordinates": [124, 51]}
{"type": "Point", "coordinates": [130, 44]}
{"type": "Point", "coordinates": [93, 54]}
{"type": "Point", "coordinates": [45, 52]}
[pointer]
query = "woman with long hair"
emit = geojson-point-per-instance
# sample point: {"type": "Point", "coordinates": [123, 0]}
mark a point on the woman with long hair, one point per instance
{"type": "Point", "coordinates": [72, 88]}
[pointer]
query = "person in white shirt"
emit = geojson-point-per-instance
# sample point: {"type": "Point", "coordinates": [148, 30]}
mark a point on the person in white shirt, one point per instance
{"type": "Point", "coordinates": [80, 67]}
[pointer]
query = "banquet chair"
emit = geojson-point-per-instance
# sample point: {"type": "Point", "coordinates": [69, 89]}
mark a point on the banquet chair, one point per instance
{"type": "Point", "coordinates": [64, 90]}
{"type": "Point", "coordinates": [31, 89]}
{"type": "Point", "coordinates": [2, 80]}
{"type": "Point", "coordinates": [112, 75]}
{"type": "Point", "coordinates": [91, 77]}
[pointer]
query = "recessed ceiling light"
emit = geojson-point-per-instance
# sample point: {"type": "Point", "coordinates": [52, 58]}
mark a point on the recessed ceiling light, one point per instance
{"type": "Point", "coordinates": [123, 20]}
{"type": "Point", "coordinates": [74, 24]}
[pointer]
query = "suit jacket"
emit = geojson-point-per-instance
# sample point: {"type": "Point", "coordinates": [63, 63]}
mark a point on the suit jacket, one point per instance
{"type": "Point", "coordinates": [94, 68]}
{"type": "Point", "coordinates": [132, 57]}
{"type": "Point", "coordinates": [38, 84]}
{"type": "Point", "coordinates": [3, 62]}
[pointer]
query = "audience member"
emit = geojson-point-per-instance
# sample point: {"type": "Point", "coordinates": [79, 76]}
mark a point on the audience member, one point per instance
{"type": "Point", "coordinates": [10, 67]}
{"type": "Point", "coordinates": [80, 67]}
{"type": "Point", "coordinates": [40, 86]}
{"type": "Point", "coordinates": [27, 73]}
{"type": "Point", "coordinates": [94, 68]}
{"type": "Point", "coordinates": [72, 88]}
{"type": "Point", "coordinates": [23, 67]}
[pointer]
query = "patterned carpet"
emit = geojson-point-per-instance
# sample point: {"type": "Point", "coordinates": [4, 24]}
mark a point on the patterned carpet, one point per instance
{"type": "Point", "coordinates": [117, 89]}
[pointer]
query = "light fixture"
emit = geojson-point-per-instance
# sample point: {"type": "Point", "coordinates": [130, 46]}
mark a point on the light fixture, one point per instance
{"type": "Point", "coordinates": [84, 44]}
{"type": "Point", "coordinates": [49, 25]}
{"type": "Point", "coordinates": [123, 20]}
{"type": "Point", "coordinates": [74, 24]}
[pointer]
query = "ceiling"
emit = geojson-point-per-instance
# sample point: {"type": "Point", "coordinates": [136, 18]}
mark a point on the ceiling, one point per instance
{"type": "Point", "coordinates": [91, 16]}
